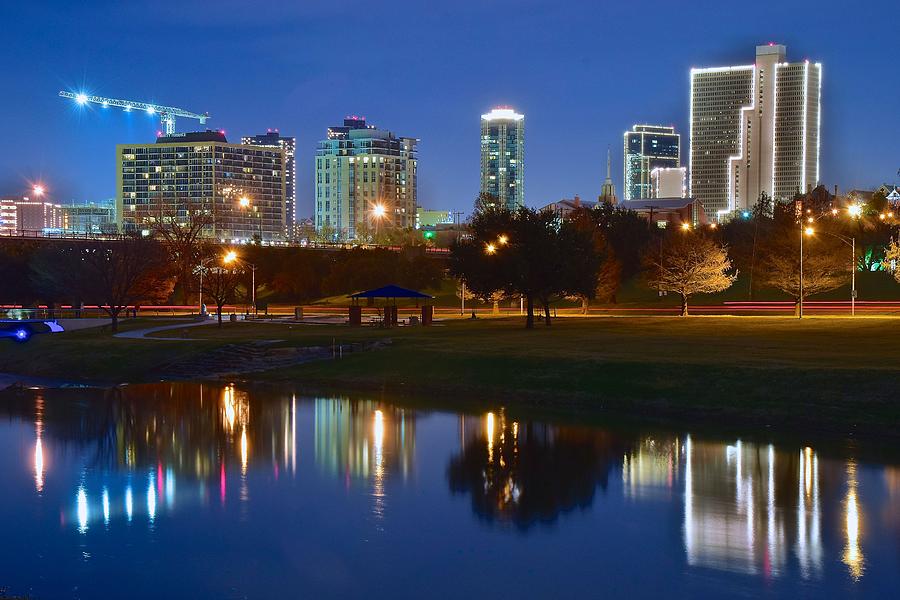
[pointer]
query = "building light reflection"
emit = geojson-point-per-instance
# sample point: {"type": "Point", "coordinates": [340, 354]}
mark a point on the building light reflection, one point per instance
{"type": "Point", "coordinates": [151, 500]}
{"type": "Point", "coordinates": [38, 443]}
{"type": "Point", "coordinates": [129, 503]}
{"type": "Point", "coordinates": [105, 501]}
{"type": "Point", "coordinates": [853, 556]}
{"type": "Point", "coordinates": [82, 510]}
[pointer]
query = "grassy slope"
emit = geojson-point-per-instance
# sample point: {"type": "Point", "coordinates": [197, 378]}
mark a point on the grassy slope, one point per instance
{"type": "Point", "coordinates": [834, 372]}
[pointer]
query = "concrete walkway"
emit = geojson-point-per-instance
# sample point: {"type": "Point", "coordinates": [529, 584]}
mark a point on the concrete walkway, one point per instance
{"type": "Point", "coordinates": [141, 334]}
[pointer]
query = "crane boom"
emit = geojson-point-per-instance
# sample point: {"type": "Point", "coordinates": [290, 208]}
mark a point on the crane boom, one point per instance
{"type": "Point", "coordinates": [166, 114]}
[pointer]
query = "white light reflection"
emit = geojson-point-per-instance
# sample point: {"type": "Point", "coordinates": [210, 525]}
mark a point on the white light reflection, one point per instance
{"type": "Point", "coordinates": [38, 444]}
{"type": "Point", "coordinates": [151, 499]}
{"type": "Point", "coordinates": [853, 556]}
{"type": "Point", "coordinates": [105, 501]}
{"type": "Point", "coordinates": [129, 503]}
{"type": "Point", "coordinates": [82, 510]}
{"type": "Point", "coordinates": [378, 480]}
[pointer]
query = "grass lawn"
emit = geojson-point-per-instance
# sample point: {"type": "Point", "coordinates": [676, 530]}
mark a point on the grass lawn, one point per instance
{"type": "Point", "coordinates": [835, 373]}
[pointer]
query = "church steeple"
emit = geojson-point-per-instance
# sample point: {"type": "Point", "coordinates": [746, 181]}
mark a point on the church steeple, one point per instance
{"type": "Point", "coordinates": [608, 189]}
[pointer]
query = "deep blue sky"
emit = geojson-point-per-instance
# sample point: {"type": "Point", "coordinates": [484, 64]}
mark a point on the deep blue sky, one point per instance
{"type": "Point", "coordinates": [581, 71]}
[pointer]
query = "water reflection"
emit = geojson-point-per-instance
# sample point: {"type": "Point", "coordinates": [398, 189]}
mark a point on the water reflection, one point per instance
{"type": "Point", "coordinates": [129, 459]}
{"type": "Point", "coordinates": [530, 472]}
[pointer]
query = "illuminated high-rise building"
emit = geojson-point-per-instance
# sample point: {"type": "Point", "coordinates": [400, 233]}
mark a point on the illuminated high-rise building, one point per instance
{"type": "Point", "coordinates": [503, 157]}
{"type": "Point", "coordinates": [365, 181]}
{"type": "Point", "coordinates": [238, 188]}
{"type": "Point", "coordinates": [648, 147]}
{"type": "Point", "coordinates": [754, 130]}
{"type": "Point", "coordinates": [272, 139]}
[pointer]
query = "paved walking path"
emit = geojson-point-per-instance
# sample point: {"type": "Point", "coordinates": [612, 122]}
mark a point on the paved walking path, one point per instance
{"type": "Point", "coordinates": [141, 334]}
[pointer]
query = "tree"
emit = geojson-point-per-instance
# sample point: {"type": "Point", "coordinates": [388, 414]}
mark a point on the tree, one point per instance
{"type": "Point", "coordinates": [690, 263]}
{"type": "Point", "coordinates": [486, 201]}
{"type": "Point", "coordinates": [112, 274]}
{"type": "Point", "coordinates": [892, 259]}
{"type": "Point", "coordinates": [220, 282]}
{"type": "Point", "coordinates": [182, 238]}
{"type": "Point", "coordinates": [627, 234]}
{"type": "Point", "coordinates": [525, 253]}
{"type": "Point", "coordinates": [609, 269]}
{"type": "Point", "coordinates": [824, 267]}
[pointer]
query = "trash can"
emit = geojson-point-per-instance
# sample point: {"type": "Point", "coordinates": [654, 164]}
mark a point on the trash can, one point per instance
{"type": "Point", "coordinates": [232, 317]}
{"type": "Point", "coordinates": [298, 313]}
{"type": "Point", "coordinates": [356, 315]}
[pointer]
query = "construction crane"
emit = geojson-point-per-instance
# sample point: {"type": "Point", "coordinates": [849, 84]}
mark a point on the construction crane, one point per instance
{"type": "Point", "coordinates": [166, 114]}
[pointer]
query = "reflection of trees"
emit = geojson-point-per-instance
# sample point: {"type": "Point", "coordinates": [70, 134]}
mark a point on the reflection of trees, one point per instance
{"type": "Point", "coordinates": [529, 472]}
{"type": "Point", "coordinates": [363, 438]}
{"type": "Point", "coordinates": [190, 428]}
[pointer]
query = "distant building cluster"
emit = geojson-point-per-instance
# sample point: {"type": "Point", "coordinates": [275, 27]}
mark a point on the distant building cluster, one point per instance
{"type": "Point", "coordinates": [754, 130]}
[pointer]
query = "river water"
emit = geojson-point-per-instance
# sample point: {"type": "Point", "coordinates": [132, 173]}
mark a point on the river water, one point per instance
{"type": "Point", "coordinates": [183, 490]}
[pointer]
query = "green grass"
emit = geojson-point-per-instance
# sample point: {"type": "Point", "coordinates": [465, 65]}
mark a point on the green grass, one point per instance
{"type": "Point", "coordinates": [833, 373]}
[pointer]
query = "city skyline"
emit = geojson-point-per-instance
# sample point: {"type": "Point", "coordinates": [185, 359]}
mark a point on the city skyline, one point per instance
{"type": "Point", "coordinates": [438, 96]}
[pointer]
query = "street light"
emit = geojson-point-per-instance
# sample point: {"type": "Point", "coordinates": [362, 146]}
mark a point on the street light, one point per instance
{"type": "Point", "coordinates": [229, 256]}
{"type": "Point", "coordinates": [850, 241]}
{"type": "Point", "coordinates": [232, 256]}
{"type": "Point", "coordinates": [503, 239]}
{"type": "Point", "coordinates": [685, 226]}
{"type": "Point", "coordinates": [244, 202]}
{"type": "Point", "coordinates": [855, 210]}
{"type": "Point", "coordinates": [490, 248]}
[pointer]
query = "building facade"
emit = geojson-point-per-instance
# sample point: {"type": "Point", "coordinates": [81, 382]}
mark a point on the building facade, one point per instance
{"type": "Point", "coordinates": [648, 147]}
{"type": "Point", "coordinates": [366, 180]}
{"type": "Point", "coordinates": [668, 182]}
{"type": "Point", "coordinates": [288, 145]}
{"type": "Point", "coordinates": [90, 218]}
{"type": "Point", "coordinates": [503, 157]}
{"type": "Point", "coordinates": [239, 188]}
{"type": "Point", "coordinates": [24, 216]}
{"type": "Point", "coordinates": [431, 218]}
{"type": "Point", "coordinates": [754, 130]}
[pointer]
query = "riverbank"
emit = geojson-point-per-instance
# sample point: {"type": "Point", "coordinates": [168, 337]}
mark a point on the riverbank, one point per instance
{"type": "Point", "coordinates": [832, 374]}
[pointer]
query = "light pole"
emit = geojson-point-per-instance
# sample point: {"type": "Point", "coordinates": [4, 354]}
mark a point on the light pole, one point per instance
{"type": "Point", "coordinates": [203, 263]}
{"type": "Point", "coordinates": [850, 241]}
{"type": "Point", "coordinates": [232, 256]}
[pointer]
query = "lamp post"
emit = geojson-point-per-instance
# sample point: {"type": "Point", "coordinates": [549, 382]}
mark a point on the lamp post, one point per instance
{"type": "Point", "coordinates": [203, 263]}
{"type": "Point", "coordinates": [232, 256]}
{"type": "Point", "coordinates": [850, 241]}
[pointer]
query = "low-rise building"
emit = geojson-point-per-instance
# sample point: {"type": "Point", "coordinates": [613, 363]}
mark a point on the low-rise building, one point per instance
{"type": "Point", "coordinates": [430, 218]}
{"type": "Point", "coordinates": [668, 212]}
{"type": "Point", "coordinates": [90, 218]}
{"type": "Point", "coordinates": [31, 217]}
{"type": "Point", "coordinates": [565, 206]}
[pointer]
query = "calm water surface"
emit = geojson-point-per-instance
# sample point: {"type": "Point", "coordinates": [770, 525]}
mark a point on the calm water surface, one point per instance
{"type": "Point", "coordinates": [227, 492]}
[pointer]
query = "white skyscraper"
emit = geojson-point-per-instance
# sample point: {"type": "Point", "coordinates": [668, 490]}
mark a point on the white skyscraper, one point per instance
{"type": "Point", "coordinates": [754, 129]}
{"type": "Point", "coordinates": [503, 156]}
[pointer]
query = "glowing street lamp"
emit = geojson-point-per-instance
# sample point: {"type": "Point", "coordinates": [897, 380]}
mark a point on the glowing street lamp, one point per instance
{"type": "Point", "coordinates": [685, 226]}
{"type": "Point", "coordinates": [490, 248]}
{"type": "Point", "coordinates": [244, 202]}
{"type": "Point", "coordinates": [855, 210]}
{"type": "Point", "coordinates": [503, 240]}
{"type": "Point", "coordinates": [229, 257]}
{"type": "Point", "coordinates": [38, 190]}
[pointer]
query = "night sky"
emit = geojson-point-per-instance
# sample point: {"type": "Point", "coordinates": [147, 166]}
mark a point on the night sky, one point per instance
{"type": "Point", "coordinates": [581, 71]}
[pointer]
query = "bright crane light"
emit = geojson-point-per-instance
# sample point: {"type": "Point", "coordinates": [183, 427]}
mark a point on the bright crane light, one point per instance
{"type": "Point", "coordinates": [166, 114]}
{"type": "Point", "coordinates": [38, 190]}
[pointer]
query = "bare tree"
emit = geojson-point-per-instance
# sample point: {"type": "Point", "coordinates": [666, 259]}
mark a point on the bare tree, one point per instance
{"type": "Point", "coordinates": [220, 282]}
{"type": "Point", "coordinates": [824, 268]}
{"type": "Point", "coordinates": [113, 274]}
{"type": "Point", "coordinates": [183, 238]}
{"type": "Point", "coordinates": [892, 259]}
{"type": "Point", "coordinates": [689, 264]}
